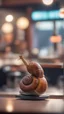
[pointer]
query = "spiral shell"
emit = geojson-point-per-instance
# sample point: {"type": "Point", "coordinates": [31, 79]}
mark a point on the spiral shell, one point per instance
{"type": "Point", "coordinates": [32, 84]}
{"type": "Point", "coordinates": [28, 83]}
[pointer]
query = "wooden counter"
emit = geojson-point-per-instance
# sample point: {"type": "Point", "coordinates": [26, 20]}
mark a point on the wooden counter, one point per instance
{"type": "Point", "coordinates": [52, 65]}
{"type": "Point", "coordinates": [15, 105]}
{"type": "Point", "coordinates": [54, 104]}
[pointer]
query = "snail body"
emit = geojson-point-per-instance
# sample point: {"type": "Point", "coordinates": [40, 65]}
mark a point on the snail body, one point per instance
{"type": "Point", "coordinates": [35, 69]}
{"type": "Point", "coordinates": [35, 81]}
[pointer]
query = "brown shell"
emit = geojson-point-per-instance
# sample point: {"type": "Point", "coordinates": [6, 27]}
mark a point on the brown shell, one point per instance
{"type": "Point", "coordinates": [28, 83]}
{"type": "Point", "coordinates": [42, 86]}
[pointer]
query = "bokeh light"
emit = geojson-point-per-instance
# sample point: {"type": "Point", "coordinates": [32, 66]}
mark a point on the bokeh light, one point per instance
{"type": "Point", "coordinates": [7, 28]}
{"type": "Point", "coordinates": [35, 51]}
{"type": "Point", "coordinates": [22, 23]}
{"type": "Point", "coordinates": [9, 18]}
{"type": "Point", "coordinates": [55, 39]}
{"type": "Point", "coordinates": [61, 13]}
{"type": "Point", "coordinates": [47, 2]}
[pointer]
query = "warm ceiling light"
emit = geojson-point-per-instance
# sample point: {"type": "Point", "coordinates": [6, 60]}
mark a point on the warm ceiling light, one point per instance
{"type": "Point", "coordinates": [55, 39]}
{"type": "Point", "coordinates": [7, 28]}
{"type": "Point", "coordinates": [47, 2]}
{"type": "Point", "coordinates": [9, 18]}
{"type": "Point", "coordinates": [22, 23]}
{"type": "Point", "coordinates": [61, 13]}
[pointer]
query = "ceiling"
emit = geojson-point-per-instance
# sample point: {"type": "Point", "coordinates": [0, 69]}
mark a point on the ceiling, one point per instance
{"type": "Point", "coordinates": [26, 2]}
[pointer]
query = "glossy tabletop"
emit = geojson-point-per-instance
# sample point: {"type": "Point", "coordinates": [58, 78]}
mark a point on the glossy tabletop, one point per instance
{"type": "Point", "coordinates": [13, 104]}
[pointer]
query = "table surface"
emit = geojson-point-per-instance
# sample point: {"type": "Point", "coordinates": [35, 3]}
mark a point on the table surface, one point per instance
{"type": "Point", "coordinates": [54, 104]}
{"type": "Point", "coordinates": [13, 104]}
{"type": "Point", "coordinates": [10, 103]}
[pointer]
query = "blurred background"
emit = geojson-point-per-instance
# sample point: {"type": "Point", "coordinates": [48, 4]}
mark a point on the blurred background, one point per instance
{"type": "Point", "coordinates": [34, 29]}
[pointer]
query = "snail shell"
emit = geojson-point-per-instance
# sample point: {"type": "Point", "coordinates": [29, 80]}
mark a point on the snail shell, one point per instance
{"type": "Point", "coordinates": [42, 86]}
{"type": "Point", "coordinates": [35, 69]}
{"type": "Point", "coordinates": [32, 84]}
{"type": "Point", "coordinates": [28, 83]}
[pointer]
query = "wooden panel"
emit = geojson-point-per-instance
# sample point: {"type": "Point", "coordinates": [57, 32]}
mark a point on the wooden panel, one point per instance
{"type": "Point", "coordinates": [23, 2]}
{"type": "Point", "coordinates": [20, 2]}
{"type": "Point", "coordinates": [28, 106]}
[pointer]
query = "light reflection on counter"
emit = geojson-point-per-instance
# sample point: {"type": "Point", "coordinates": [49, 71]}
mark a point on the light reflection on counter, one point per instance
{"type": "Point", "coordinates": [9, 106]}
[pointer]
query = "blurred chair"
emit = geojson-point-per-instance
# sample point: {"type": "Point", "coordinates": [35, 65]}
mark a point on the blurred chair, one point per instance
{"type": "Point", "coordinates": [53, 75]}
{"type": "Point", "coordinates": [3, 75]}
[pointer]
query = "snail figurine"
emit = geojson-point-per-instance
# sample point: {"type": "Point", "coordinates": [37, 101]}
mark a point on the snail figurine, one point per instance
{"type": "Point", "coordinates": [35, 81]}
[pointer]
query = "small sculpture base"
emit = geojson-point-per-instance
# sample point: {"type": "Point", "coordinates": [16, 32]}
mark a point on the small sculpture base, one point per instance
{"type": "Point", "coordinates": [32, 97]}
